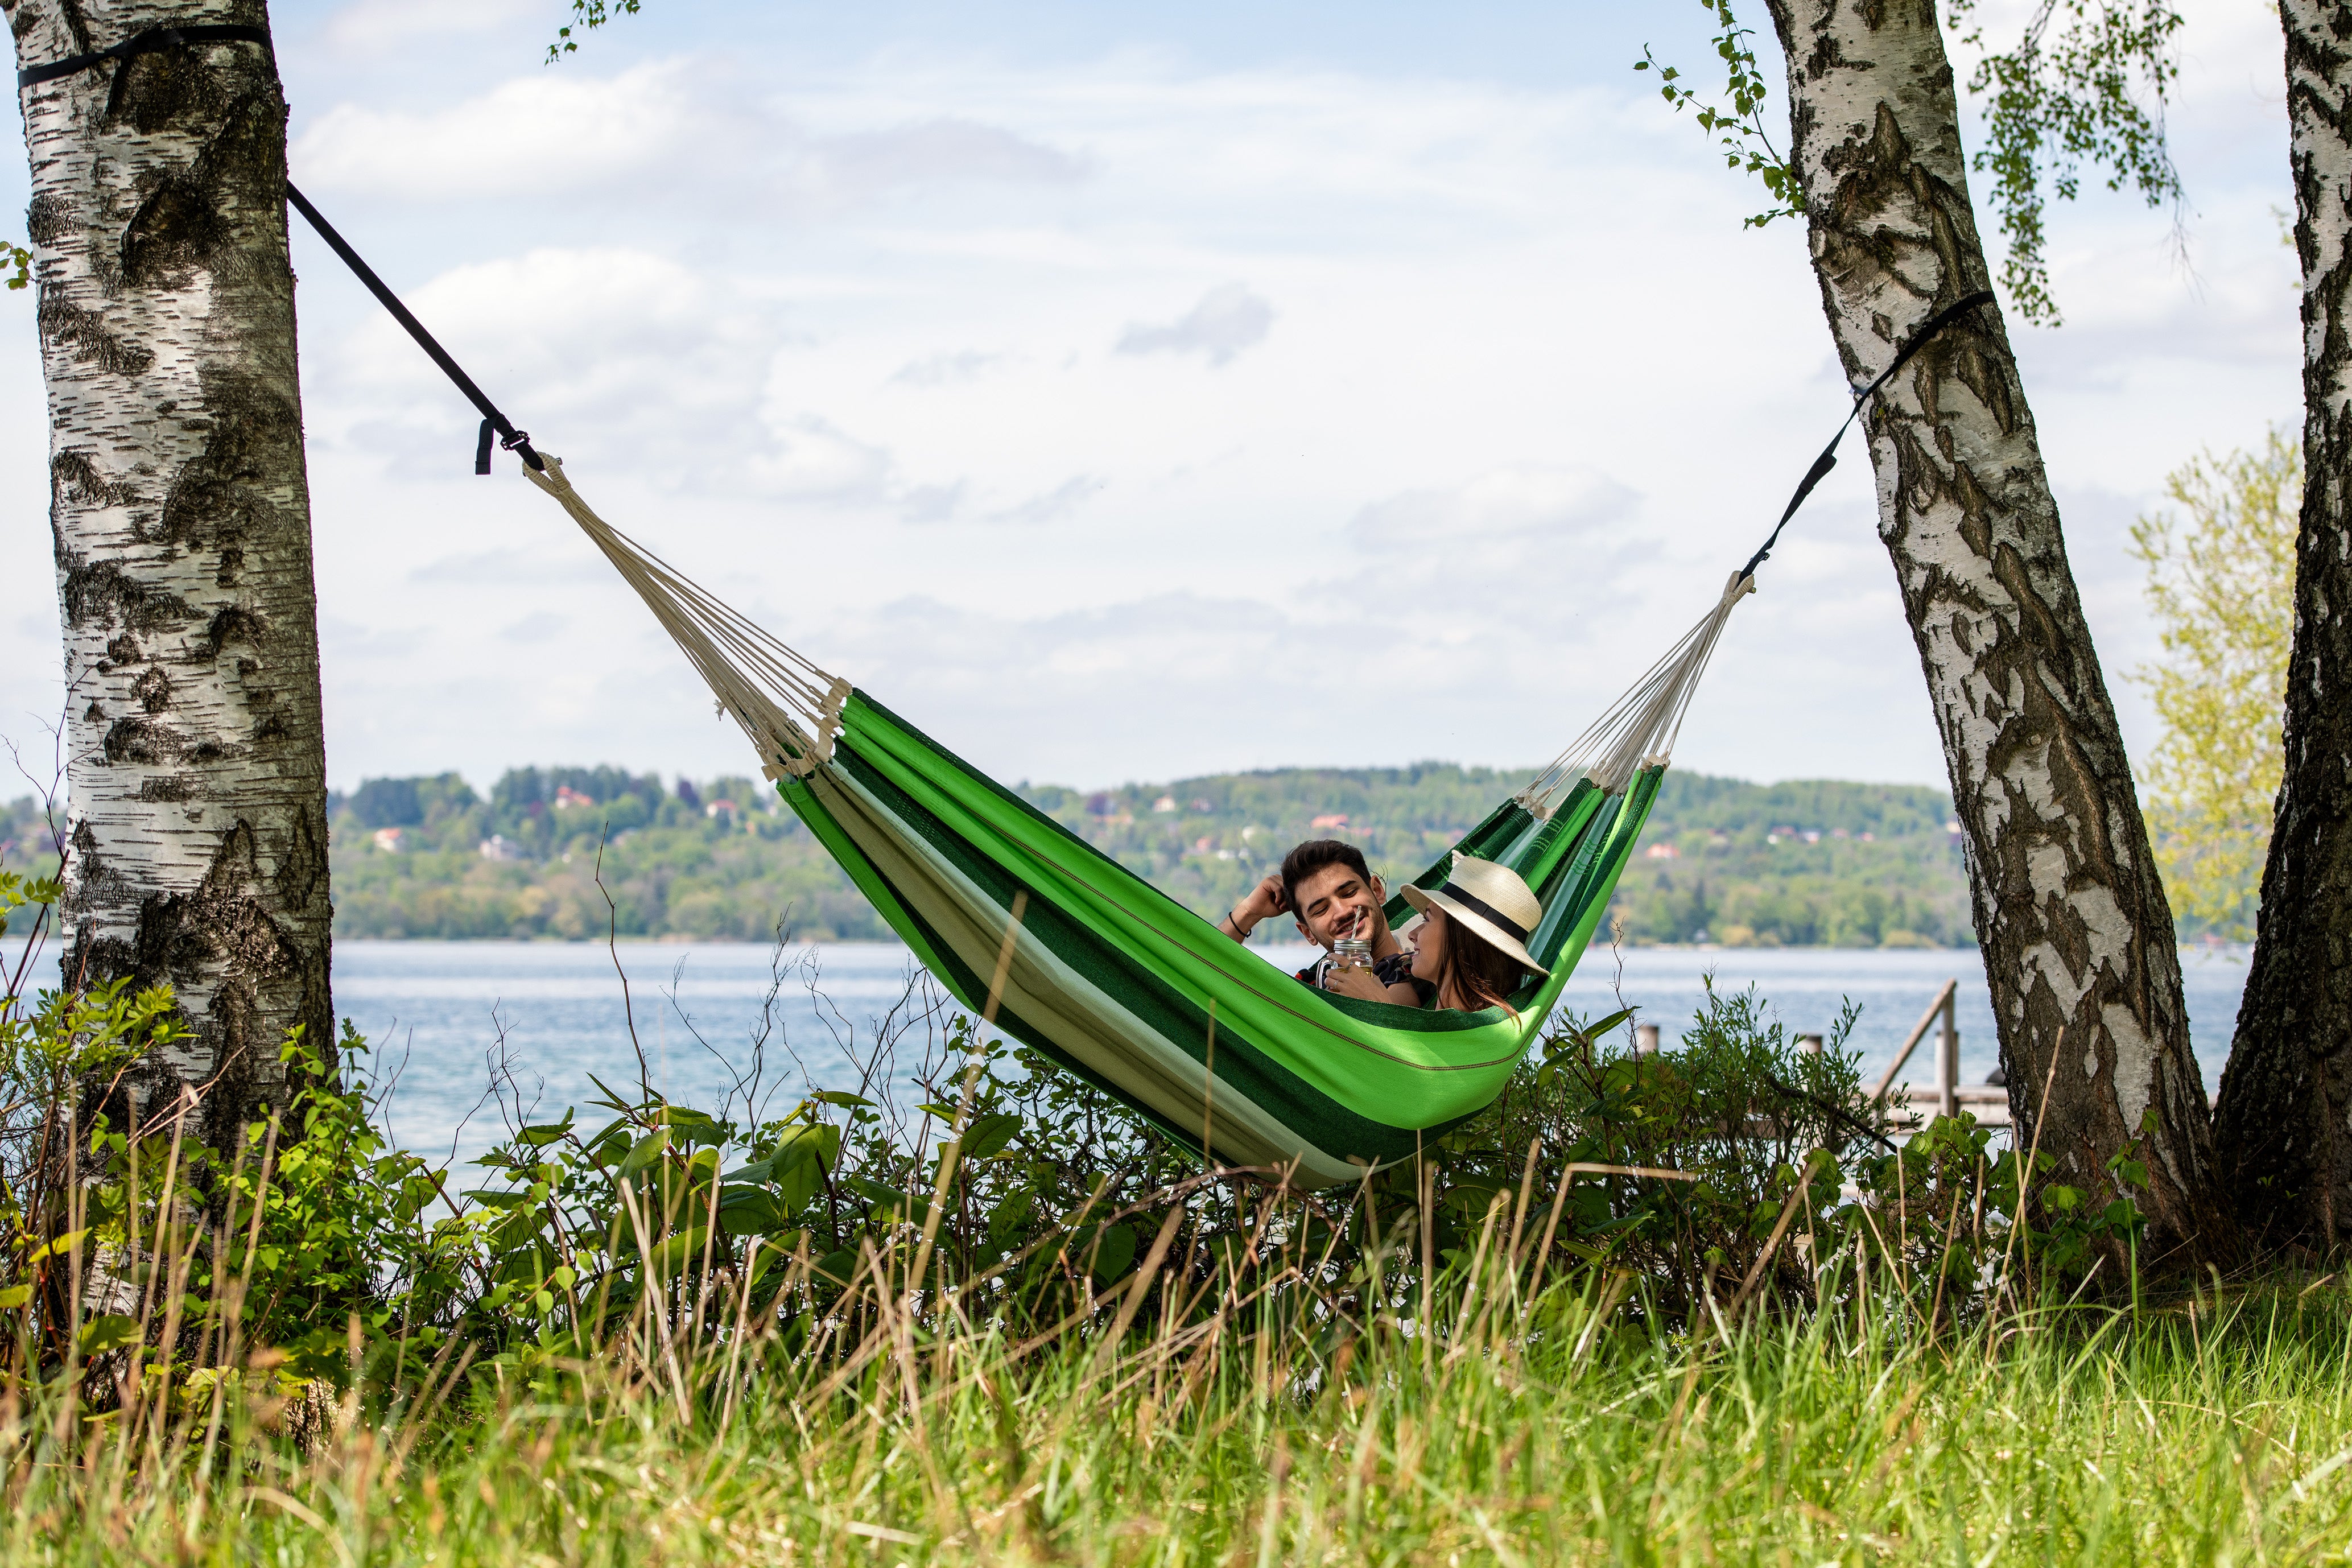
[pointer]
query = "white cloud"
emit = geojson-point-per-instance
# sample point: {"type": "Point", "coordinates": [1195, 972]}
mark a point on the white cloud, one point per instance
{"type": "Point", "coordinates": [1053, 505]}
{"type": "Point", "coordinates": [548, 131]}
{"type": "Point", "coordinates": [651, 134]}
{"type": "Point", "coordinates": [1228, 319]}
{"type": "Point", "coordinates": [1504, 504]}
{"type": "Point", "coordinates": [945, 369]}
{"type": "Point", "coordinates": [370, 25]}
{"type": "Point", "coordinates": [872, 161]}
{"type": "Point", "coordinates": [539, 626]}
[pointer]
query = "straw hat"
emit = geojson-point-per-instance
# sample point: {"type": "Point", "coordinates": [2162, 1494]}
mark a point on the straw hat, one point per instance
{"type": "Point", "coordinates": [1488, 898]}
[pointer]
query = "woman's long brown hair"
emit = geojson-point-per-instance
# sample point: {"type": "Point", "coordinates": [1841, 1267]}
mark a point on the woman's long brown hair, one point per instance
{"type": "Point", "coordinates": [1476, 971]}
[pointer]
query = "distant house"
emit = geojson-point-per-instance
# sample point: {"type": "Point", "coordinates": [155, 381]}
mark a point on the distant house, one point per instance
{"type": "Point", "coordinates": [1662, 851]}
{"type": "Point", "coordinates": [1202, 845]}
{"type": "Point", "coordinates": [499, 847]}
{"type": "Point", "coordinates": [1322, 822]}
{"type": "Point", "coordinates": [387, 839]}
{"type": "Point", "coordinates": [722, 811]}
{"type": "Point", "coordinates": [566, 797]}
{"type": "Point", "coordinates": [1164, 803]}
{"type": "Point", "coordinates": [1202, 806]}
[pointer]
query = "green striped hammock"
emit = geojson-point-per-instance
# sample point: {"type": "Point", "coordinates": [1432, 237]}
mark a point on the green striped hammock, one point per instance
{"type": "Point", "coordinates": [1117, 982]}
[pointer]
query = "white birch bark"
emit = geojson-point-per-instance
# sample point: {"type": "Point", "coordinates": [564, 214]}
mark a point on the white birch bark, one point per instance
{"type": "Point", "coordinates": [2075, 934]}
{"type": "Point", "coordinates": [180, 515]}
{"type": "Point", "coordinates": [2282, 1124]}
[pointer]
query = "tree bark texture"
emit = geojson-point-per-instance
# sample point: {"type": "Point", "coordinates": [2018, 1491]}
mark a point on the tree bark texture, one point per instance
{"type": "Point", "coordinates": [2283, 1127]}
{"type": "Point", "coordinates": [2070, 912]}
{"type": "Point", "coordinates": [180, 513]}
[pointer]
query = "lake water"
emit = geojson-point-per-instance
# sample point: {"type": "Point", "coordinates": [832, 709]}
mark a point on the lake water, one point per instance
{"type": "Point", "coordinates": [442, 1013]}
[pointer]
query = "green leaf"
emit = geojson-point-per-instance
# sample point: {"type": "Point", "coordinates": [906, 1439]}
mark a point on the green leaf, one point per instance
{"type": "Point", "coordinates": [58, 1247]}
{"type": "Point", "coordinates": [749, 1211]}
{"type": "Point", "coordinates": [987, 1135]}
{"type": "Point", "coordinates": [15, 1296]}
{"type": "Point", "coordinates": [1114, 1250]}
{"type": "Point", "coordinates": [885, 1199]}
{"type": "Point", "coordinates": [646, 1150]}
{"type": "Point", "coordinates": [839, 1097]}
{"type": "Point", "coordinates": [679, 1250]}
{"type": "Point", "coordinates": [107, 1332]}
{"type": "Point", "coordinates": [546, 1132]}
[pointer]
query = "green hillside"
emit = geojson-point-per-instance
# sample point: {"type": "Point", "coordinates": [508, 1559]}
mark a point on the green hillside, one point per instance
{"type": "Point", "coordinates": [1857, 865]}
{"type": "Point", "coordinates": [1799, 864]}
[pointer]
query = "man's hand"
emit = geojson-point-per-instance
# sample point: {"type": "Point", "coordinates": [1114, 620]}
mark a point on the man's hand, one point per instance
{"type": "Point", "coordinates": [1265, 901]}
{"type": "Point", "coordinates": [1361, 984]}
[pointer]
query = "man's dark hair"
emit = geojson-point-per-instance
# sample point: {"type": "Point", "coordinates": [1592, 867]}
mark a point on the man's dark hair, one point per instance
{"type": "Point", "coordinates": [1312, 856]}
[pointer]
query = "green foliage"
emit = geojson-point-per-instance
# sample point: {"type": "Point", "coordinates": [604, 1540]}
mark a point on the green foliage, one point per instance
{"type": "Point", "coordinates": [27, 838]}
{"type": "Point", "coordinates": [16, 262]}
{"type": "Point", "coordinates": [2221, 585]}
{"type": "Point", "coordinates": [588, 15]}
{"type": "Point", "coordinates": [1737, 127]}
{"type": "Point", "coordinates": [2092, 92]}
{"type": "Point", "coordinates": [1804, 863]}
{"type": "Point", "coordinates": [2059, 100]}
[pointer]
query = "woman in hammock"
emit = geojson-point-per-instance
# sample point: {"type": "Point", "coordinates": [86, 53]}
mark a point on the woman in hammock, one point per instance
{"type": "Point", "coordinates": [1471, 943]}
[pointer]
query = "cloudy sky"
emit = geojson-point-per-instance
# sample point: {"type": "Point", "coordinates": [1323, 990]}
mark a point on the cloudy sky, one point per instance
{"type": "Point", "coordinates": [1121, 392]}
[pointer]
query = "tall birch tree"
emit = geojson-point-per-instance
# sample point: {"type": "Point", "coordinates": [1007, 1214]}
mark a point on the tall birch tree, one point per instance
{"type": "Point", "coordinates": [2076, 938]}
{"type": "Point", "coordinates": [2284, 1123]}
{"type": "Point", "coordinates": [180, 513]}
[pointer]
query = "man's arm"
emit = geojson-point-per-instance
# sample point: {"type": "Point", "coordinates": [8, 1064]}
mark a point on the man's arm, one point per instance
{"type": "Point", "coordinates": [1265, 901]}
{"type": "Point", "coordinates": [1365, 987]}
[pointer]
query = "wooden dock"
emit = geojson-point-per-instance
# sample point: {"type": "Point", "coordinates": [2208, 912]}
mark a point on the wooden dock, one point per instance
{"type": "Point", "coordinates": [1945, 1094]}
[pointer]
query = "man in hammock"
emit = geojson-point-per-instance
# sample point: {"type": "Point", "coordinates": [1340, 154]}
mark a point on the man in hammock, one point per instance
{"type": "Point", "coordinates": [1327, 888]}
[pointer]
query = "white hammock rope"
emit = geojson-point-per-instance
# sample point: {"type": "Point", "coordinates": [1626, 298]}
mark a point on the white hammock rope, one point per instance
{"type": "Point", "coordinates": [789, 707]}
{"type": "Point", "coordinates": [790, 710]}
{"type": "Point", "coordinates": [1639, 730]}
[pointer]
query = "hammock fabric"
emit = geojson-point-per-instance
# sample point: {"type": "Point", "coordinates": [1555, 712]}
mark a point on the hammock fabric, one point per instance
{"type": "Point", "coordinates": [1117, 981]}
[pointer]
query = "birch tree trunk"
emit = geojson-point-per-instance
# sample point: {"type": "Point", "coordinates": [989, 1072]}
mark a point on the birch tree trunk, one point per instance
{"type": "Point", "coordinates": [2280, 1127]}
{"type": "Point", "coordinates": [2075, 934]}
{"type": "Point", "coordinates": [180, 513]}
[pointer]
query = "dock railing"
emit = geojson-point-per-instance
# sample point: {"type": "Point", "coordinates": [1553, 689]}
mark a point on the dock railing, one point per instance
{"type": "Point", "coordinates": [1988, 1102]}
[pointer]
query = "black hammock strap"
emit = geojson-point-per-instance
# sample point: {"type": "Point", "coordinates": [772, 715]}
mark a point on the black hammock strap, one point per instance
{"type": "Point", "coordinates": [513, 439]}
{"type": "Point", "coordinates": [1828, 459]}
{"type": "Point", "coordinates": [154, 41]}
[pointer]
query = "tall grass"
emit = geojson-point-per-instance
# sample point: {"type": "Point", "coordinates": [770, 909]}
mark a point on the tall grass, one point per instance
{"type": "Point", "coordinates": [1522, 1420]}
{"type": "Point", "coordinates": [1688, 1308]}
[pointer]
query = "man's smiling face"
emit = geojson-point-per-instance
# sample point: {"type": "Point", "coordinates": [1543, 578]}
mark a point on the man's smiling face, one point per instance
{"type": "Point", "coordinates": [1335, 902]}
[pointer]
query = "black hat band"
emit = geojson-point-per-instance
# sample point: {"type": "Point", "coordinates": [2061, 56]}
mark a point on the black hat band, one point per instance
{"type": "Point", "coordinates": [1478, 906]}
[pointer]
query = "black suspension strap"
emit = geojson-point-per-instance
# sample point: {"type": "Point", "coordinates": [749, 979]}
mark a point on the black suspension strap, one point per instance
{"type": "Point", "coordinates": [1828, 459]}
{"type": "Point", "coordinates": [513, 439]}
{"type": "Point", "coordinates": [154, 40]}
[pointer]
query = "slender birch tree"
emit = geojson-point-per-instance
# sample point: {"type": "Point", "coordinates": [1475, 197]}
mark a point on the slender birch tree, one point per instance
{"type": "Point", "coordinates": [2077, 940]}
{"type": "Point", "coordinates": [180, 513]}
{"type": "Point", "coordinates": [2284, 1121]}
